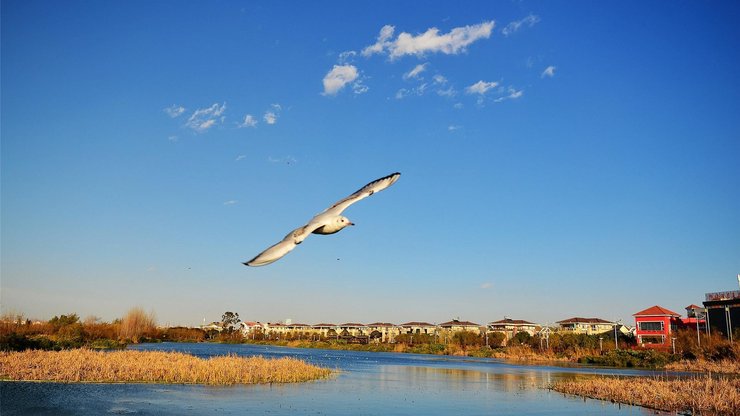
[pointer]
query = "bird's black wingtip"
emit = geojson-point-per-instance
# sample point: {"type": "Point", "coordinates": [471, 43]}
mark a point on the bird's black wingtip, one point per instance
{"type": "Point", "coordinates": [246, 263]}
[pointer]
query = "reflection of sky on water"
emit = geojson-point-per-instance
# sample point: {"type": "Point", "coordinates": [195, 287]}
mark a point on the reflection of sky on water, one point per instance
{"type": "Point", "coordinates": [367, 384]}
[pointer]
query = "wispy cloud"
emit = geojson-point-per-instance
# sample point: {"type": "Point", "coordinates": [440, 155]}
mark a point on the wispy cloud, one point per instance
{"type": "Point", "coordinates": [405, 92]}
{"type": "Point", "coordinates": [249, 121]}
{"type": "Point", "coordinates": [174, 110]}
{"type": "Point", "coordinates": [203, 119]}
{"type": "Point", "coordinates": [548, 72]}
{"type": "Point", "coordinates": [288, 160]}
{"type": "Point", "coordinates": [173, 139]}
{"type": "Point", "coordinates": [514, 26]}
{"type": "Point", "coordinates": [241, 157]}
{"type": "Point", "coordinates": [346, 57]}
{"type": "Point", "coordinates": [511, 93]}
{"type": "Point", "coordinates": [431, 41]}
{"type": "Point", "coordinates": [414, 73]}
{"type": "Point", "coordinates": [453, 127]}
{"type": "Point", "coordinates": [270, 117]}
{"type": "Point", "coordinates": [486, 285]}
{"type": "Point", "coordinates": [481, 87]}
{"type": "Point", "coordinates": [338, 78]}
{"type": "Point", "coordinates": [231, 202]}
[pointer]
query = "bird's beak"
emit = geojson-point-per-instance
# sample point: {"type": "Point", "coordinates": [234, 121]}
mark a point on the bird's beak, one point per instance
{"type": "Point", "coordinates": [351, 223]}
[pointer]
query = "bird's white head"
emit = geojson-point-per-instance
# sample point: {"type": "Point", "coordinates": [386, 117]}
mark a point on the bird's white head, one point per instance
{"type": "Point", "coordinates": [344, 221]}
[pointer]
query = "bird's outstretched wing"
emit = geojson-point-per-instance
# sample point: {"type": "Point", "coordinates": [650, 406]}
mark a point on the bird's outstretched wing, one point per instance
{"type": "Point", "coordinates": [362, 193]}
{"type": "Point", "coordinates": [282, 248]}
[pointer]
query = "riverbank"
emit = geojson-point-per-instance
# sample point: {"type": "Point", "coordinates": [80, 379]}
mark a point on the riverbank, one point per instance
{"type": "Point", "coordinates": [85, 365]}
{"type": "Point", "coordinates": [704, 395]}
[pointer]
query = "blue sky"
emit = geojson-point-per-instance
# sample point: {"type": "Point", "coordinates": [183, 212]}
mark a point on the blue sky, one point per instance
{"type": "Point", "coordinates": [558, 159]}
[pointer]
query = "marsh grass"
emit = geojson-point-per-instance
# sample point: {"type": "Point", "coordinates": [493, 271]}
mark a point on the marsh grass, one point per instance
{"type": "Point", "coordinates": [704, 395]}
{"type": "Point", "coordinates": [727, 366]}
{"type": "Point", "coordinates": [84, 365]}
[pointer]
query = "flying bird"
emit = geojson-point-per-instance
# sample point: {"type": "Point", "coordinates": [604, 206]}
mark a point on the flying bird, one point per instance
{"type": "Point", "coordinates": [329, 221]}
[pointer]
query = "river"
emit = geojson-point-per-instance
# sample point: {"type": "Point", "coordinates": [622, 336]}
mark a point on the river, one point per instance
{"type": "Point", "coordinates": [367, 383]}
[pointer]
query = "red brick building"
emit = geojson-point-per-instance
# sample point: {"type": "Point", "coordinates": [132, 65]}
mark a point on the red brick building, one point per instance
{"type": "Point", "coordinates": [654, 326]}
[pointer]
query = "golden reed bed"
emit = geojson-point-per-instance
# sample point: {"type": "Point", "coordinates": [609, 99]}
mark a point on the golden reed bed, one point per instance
{"type": "Point", "coordinates": [697, 395]}
{"type": "Point", "coordinates": [84, 365]}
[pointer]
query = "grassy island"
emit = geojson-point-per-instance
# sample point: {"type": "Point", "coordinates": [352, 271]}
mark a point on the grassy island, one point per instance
{"type": "Point", "coordinates": [85, 365]}
{"type": "Point", "coordinates": [704, 395]}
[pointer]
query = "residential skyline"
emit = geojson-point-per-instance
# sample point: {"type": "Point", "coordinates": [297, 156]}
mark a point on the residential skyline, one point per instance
{"type": "Point", "coordinates": [557, 158]}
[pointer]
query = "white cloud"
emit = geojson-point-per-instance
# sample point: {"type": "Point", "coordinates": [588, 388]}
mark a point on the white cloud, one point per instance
{"type": "Point", "coordinates": [174, 110]}
{"type": "Point", "coordinates": [405, 92]}
{"type": "Point", "coordinates": [451, 43]}
{"type": "Point", "coordinates": [481, 87]}
{"type": "Point", "coordinates": [346, 57]}
{"type": "Point", "coordinates": [276, 106]}
{"type": "Point", "coordinates": [414, 73]}
{"type": "Point", "coordinates": [548, 72]}
{"type": "Point", "coordinates": [173, 139]}
{"type": "Point", "coordinates": [270, 117]}
{"type": "Point", "coordinates": [205, 118]}
{"type": "Point", "coordinates": [513, 94]}
{"type": "Point", "coordinates": [338, 77]}
{"type": "Point", "coordinates": [249, 121]}
{"type": "Point", "coordinates": [439, 79]}
{"type": "Point", "coordinates": [514, 26]}
{"type": "Point", "coordinates": [382, 43]}
{"type": "Point", "coordinates": [240, 157]}
{"type": "Point", "coordinates": [231, 202]}
{"type": "Point", "coordinates": [359, 88]}
{"type": "Point", "coordinates": [486, 285]}
{"type": "Point", "coordinates": [447, 92]}
{"type": "Point", "coordinates": [453, 127]}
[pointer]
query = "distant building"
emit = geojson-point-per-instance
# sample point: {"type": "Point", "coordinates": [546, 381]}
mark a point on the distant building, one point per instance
{"type": "Point", "coordinates": [250, 327]}
{"type": "Point", "coordinates": [353, 329]}
{"type": "Point", "coordinates": [588, 326]}
{"type": "Point", "coordinates": [456, 325]}
{"type": "Point", "coordinates": [213, 326]}
{"type": "Point", "coordinates": [383, 331]}
{"type": "Point", "coordinates": [695, 318]}
{"type": "Point", "coordinates": [723, 312]}
{"type": "Point", "coordinates": [510, 327]}
{"type": "Point", "coordinates": [655, 325]}
{"type": "Point", "coordinates": [418, 328]}
{"type": "Point", "coordinates": [325, 330]}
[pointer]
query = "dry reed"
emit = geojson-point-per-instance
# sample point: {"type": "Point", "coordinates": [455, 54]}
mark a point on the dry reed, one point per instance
{"type": "Point", "coordinates": [83, 365]}
{"type": "Point", "coordinates": [727, 366]}
{"type": "Point", "coordinates": [698, 395]}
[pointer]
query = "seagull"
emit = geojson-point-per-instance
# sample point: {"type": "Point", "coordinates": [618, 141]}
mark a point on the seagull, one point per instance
{"type": "Point", "coordinates": [329, 221]}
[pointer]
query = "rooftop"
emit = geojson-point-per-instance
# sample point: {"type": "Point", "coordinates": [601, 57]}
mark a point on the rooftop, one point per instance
{"type": "Point", "coordinates": [656, 311]}
{"type": "Point", "coordinates": [577, 320]}
{"type": "Point", "coordinates": [512, 322]}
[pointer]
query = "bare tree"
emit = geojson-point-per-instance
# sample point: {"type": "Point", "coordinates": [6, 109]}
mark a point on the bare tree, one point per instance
{"type": "Point", "coordinates": [137, 323]}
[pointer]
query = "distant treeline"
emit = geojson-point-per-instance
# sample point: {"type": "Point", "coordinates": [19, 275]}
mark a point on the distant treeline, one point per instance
{"type": "Point", "coordinates": [69, 331]}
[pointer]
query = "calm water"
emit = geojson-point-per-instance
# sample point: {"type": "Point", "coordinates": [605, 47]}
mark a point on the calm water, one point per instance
{"type": "Point", "coordinates": [368, 384]}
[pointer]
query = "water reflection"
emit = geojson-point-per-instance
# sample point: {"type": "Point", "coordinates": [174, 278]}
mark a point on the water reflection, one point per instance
{"type": "Point", "coordinates": [368, 384]}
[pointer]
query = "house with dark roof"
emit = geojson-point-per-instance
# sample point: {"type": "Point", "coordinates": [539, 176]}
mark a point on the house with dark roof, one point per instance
{"type": "Point", "coordinates": [588, 326]}
{"type": "Point", "coordinates": [510, 327]}
{"type": "Point", "coordinates": [457, 325]}
{"type": "Point", "coordinates": [655, 325]}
